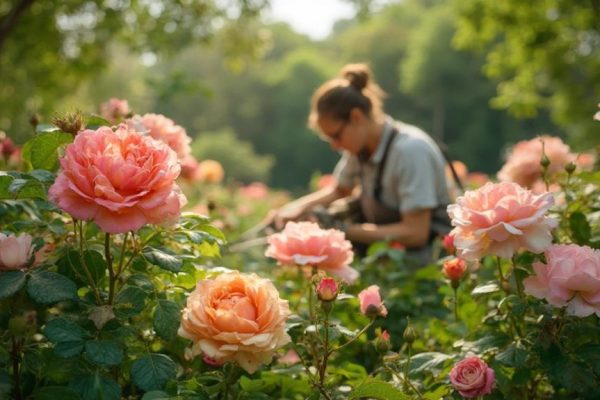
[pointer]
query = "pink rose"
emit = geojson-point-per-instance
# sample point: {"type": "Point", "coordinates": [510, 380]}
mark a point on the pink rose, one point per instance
{"type": "Point", "coordinates": [304, 243]}
{"type": "Point", "coordinates": [255, 191]}
{"type": "Point", "coordinates": [448, 244]}
{"type": "Point", "coordinates": [327, 289]}
{"type": "Point", "coordinates": [499, 219]}
{"type": "Point", "coordinates": [454, 269]}
{"type": "Point", "coordinates": [523, 162]}
{"type": "Point", "coordinates": [16, 252]}
{"type": "Point", "coordinates": [570, 277]}
{"type": "Point", "coordinates": [472, 377]}
{"type": "Point", "coordinates": [235, 317]}
{"type": "Point", "coordinates": [370, 302]}
{"type": "Point", "coordinates": [114, 110]}
{"type": "Point", "coordinates": [164, 129]}
{"type": "Point", "coordinates": [122, 180]}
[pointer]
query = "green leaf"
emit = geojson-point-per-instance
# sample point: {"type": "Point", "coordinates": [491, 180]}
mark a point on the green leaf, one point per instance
{"type": "Point", "coordinates": [151, 372]}
{"type": "Point", "coordinates": [156, 395]}
{"type": "Point", "coordinates": [93, 121]}
{"type": "Point", "coordinates": [41, 151]}
{"type": "Point", "coordinates": [129, 302]}
{"type": "Point", "coordinates": [485, 288]}
{"type": "Point", "coordinates": [374, 388]}
{"type": "Point", "coordinates": [162, 259]}
{"type": "Point", "coordinates": [429, 361]}
{"type": "Point", "coordinates": [96, 387]}
{"type": "Point", "coordinates": [70, 265]}
{"type": "Point", "coordinates": [11, 282]}
{"type": "Point", "coordinates": [515, 355]}
{"type": "Point", "coordinates": [54, 393]}
{"type": "Point", "coordinates": [580, 228]}
{"type": "Point", "coordinates": [166, 319]}
{"type": "Point", "coordinates": [141, 281]}
{"type": "Point", "coordinates": [103, 352]}
{"type": "Point", "coordinates": [69, 349]}
{"type": "Point", "coordinates": [59, 330]}
{"type": "Point", "coordinates": [5, 181]}
{"type": "Point", "coordinates": [49, 287]}
{"type": "Point", "coordinates": [21, 188]}
{"type": "Point", "coordinates": [43, 176]}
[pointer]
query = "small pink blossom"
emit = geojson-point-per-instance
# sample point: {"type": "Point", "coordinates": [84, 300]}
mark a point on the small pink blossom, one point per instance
{"type": "Point", "coordinates": [255, 191]}
{"type": "Point", "coordinates": [115, 110]}
{"type": "Point", "coordinates": [570, 277]}
{"type": "Point", "coordinates": [304, 243]}
{"type": "Point", "coordinates": [16, 252]}
{"type": "Point", "coordinates": [499, 219]}
{"type": "Point", "coordinates": [290, 358]}
{"type": "Point", "coordinates": [523, 162]}
{"type": "Point", "coordinates": [371, 303]}
{"type": "Point", "coordinates": [121, 180]}
{"type": "Point", "coordinates": [448, 244]}
{"type": "Point", "coordinates": [472, 377]}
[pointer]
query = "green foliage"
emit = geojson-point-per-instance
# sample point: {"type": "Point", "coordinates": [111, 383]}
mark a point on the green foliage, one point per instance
{"type": "Point", "coordinates": [152, 371]}
{"type": "Point", "coordinates": [373, 388]}
{"type": "Point", "coordinates": [41, 152]}
{"type": "Point", "coordinates": [11, 282]}
{"type": "Point", "coordinates": [49, 287]}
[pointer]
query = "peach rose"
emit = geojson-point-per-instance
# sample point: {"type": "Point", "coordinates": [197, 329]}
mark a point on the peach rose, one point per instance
{"type": "Point", "coordinates": [235, 317]}
{"type": "Point", "coordinates": [371, 303]}
{"type": "Point", "coordinates": [523, 162]}
{"type": "Point", "coordinates": [499, 219]}
{"type": "Point", "coordinates": [209, 171]}
{"type": "Point", "coordinates": [122, 180]}
{"type": "Point", "coordinates": [327, 289]}
{"type": "Point", "coordinates": [570, 277]}
{"type": "Point", "coordinates": [16, 252]}
{"type": "Point", "coordinates": [454, 269]}
{"type": "Point", "coordinates": [304, 243]}
{"type": "Point", "coordinates": [164, 129]}
{"type": "Point", "coordinates": [114, 110]}
{"type": "Point", "coordinates": [472, 377]}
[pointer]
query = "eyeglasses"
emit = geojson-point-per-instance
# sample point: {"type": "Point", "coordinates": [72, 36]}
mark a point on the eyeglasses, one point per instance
{"type": "Point", "coordinates": [337, 135]}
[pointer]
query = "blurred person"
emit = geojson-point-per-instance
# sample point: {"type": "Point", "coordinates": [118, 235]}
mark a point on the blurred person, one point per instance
{"type": "Point", "coordinates": [394, 170]}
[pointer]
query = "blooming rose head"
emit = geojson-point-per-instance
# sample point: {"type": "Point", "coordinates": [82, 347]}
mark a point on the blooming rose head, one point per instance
{"type": "Point", "coordinates": [472, 377]}
{"type": "Point", "coordinates": [16, 252]}
{"type": "Point", "coordinates": [255, 191]}
{"type": "Point", "coordinates": [454, 269]}
{"type": "Point", "coordinates": [164, 129]}
{"type": "Point", "coordinates": [115, 110]}
{"type": "Point", "coordinates": [235, 317]}
{"type": "Point", "coordinates": [570, 277]}
{"type": "Point", "coordinates": [210, 171]}
{"type": "Point", "coordinates": [304, 243]}
{"type": "Point", "coordinates": [327, 289]}
{"type": "Point", "coordinates": [122, 180]}
{"type": "Point", "coordinates": [523, 162]}
{"type": "Point", "coordinates": [370, 302]}
{"type": "Point", "coordinates": [499, 219]}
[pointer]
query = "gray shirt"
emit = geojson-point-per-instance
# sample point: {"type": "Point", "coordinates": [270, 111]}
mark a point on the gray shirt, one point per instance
{"type": "Point", "coordinates": [413, 177]}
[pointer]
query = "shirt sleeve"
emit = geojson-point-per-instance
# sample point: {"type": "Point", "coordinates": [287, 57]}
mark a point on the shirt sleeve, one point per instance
{"type": "Point", "coordinates": [347, 171]}
{"type": "Point", "coordinates": [417, 178]}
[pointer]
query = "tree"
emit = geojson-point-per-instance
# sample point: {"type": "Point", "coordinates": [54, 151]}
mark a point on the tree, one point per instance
{"type": "Point", "coordinates": [48, 48]}
{"type": "Point", "coordinates": [546, 55]}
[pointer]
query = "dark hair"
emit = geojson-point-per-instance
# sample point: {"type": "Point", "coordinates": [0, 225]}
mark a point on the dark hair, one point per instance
{"type": "Point", "coordinates": [354, 88]}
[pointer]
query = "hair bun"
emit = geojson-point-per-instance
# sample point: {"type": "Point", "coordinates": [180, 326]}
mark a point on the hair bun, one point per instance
{"type": "Point", "coordinates": [358, 75]}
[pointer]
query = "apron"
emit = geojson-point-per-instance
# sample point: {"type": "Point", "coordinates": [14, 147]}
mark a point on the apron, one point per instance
{"type": "Point", "coordinates": [376, 212]}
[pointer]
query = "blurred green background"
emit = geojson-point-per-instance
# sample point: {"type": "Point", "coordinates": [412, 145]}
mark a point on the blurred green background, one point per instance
{"type": "Point", "coordinates": [477, 74]}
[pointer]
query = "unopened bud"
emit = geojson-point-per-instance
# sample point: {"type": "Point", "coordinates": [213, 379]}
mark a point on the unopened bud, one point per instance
{"type": "Point", "coordinates": [570, 167]}
{"type": "Point", "coordinates": [34, 120]}
{"type": "Point", "coordinates": [8, 147]}
{"type": "Point", "coordinates": [410, 334]}
{"type": "Point", "coordinates": [327, 289]}
{"type": "Point", "coordinates": [70, 122]}
{"type": "Point", "coordinates": [383, 343]}
{"type": "Point", "coordinates": [545, 161]}
{"type": "Point", "coordinates": [454, 269]}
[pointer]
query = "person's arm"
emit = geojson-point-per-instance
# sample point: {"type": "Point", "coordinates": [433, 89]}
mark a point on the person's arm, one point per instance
{"type": "Point", "coordinates": [295, 209]}
{"type": "Point", "coordinates": [413, 231]}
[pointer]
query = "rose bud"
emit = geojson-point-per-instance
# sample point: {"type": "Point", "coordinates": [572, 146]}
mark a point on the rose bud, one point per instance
{"type": "Point", "coordinates": [382, 342]}
{"type": "Point", "coordinates": [410, 334]}
{"type": "Point", "coordinates": [454, 269]}
{"type": "Point", "coordinates": [370, 302]}
{"type": "Point", "coordinates": [327, 289]}
{"type": "Point", "coordinates": [448, 244]}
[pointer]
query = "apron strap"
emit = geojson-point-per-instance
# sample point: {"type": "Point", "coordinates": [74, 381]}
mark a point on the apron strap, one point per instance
{"type": "Point", "coordinates": [378, 186]}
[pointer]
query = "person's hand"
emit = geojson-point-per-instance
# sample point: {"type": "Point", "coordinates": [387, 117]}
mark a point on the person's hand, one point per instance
{"type": "Point", "coordinates": [278, 218]}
